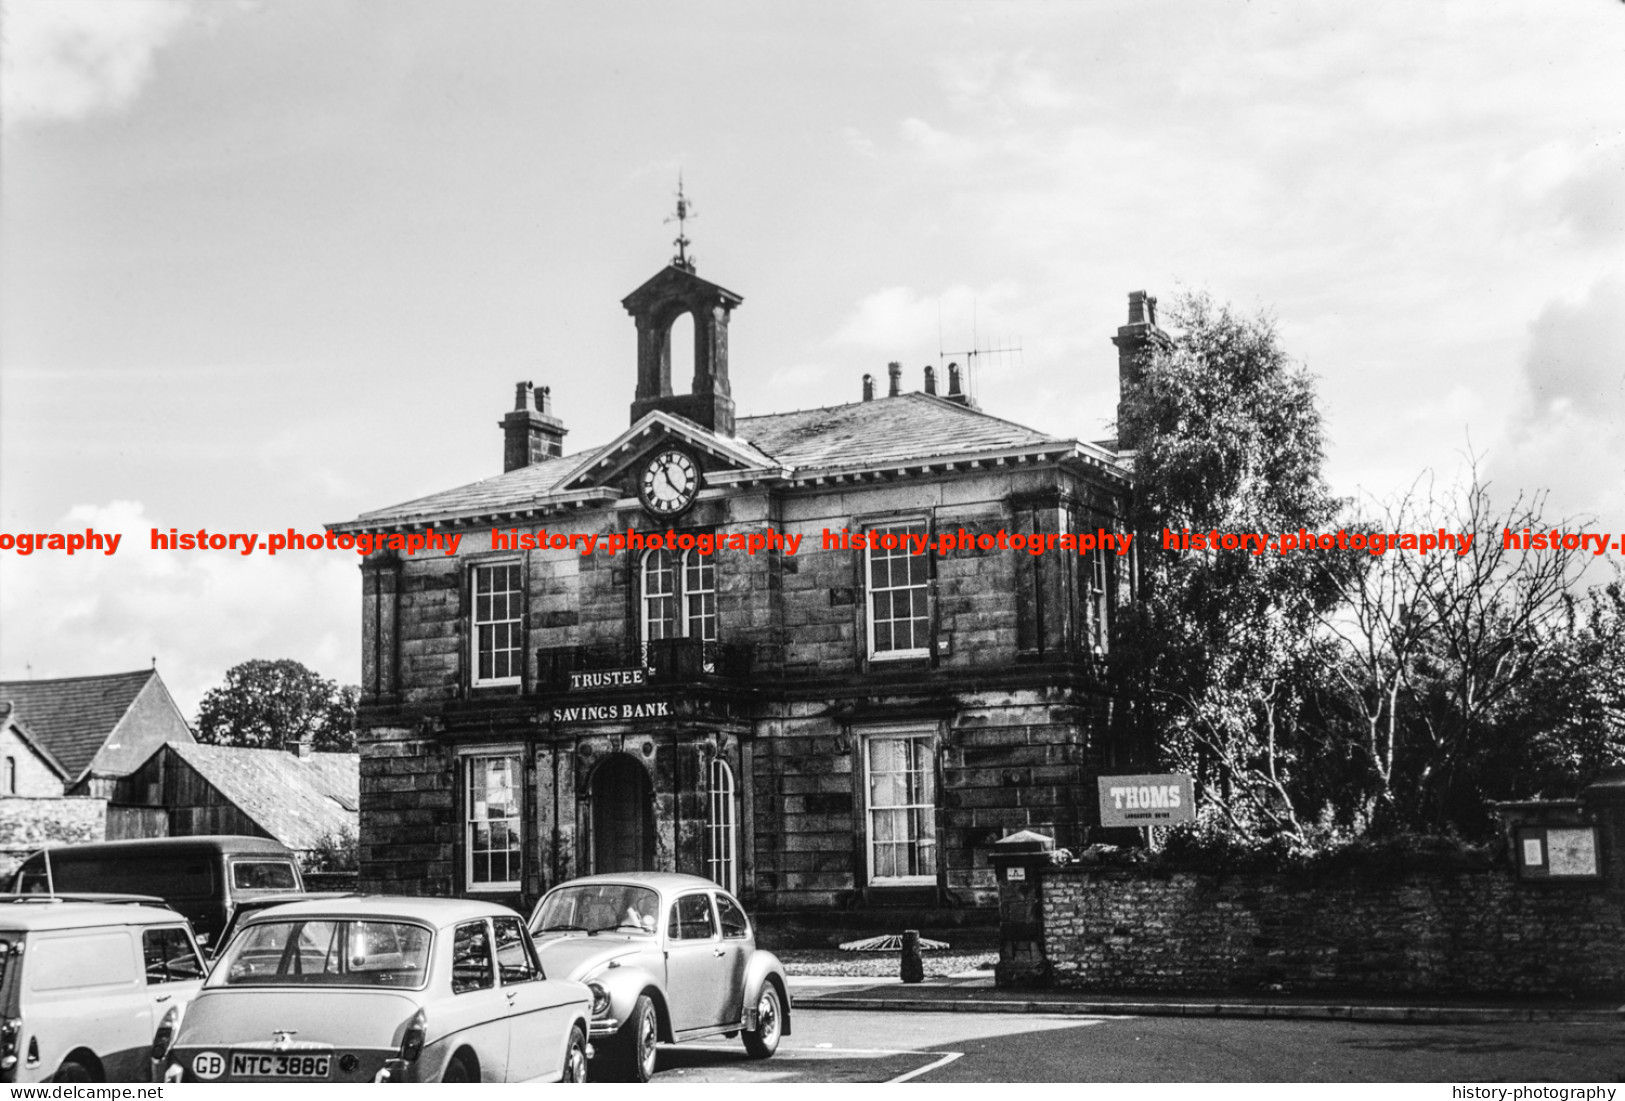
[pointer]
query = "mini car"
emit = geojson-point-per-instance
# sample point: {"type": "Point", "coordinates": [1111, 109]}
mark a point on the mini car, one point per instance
{"type": "Point", "coordinates": [378, 989]}
{"type": "Point", "coordinates": [85, 987]}
{"type": "Point", "coordinates": [668, 958]}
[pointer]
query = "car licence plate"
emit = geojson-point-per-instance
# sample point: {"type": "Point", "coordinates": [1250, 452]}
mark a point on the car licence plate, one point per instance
{"type": "Point", "coordinates": [247, 1064]}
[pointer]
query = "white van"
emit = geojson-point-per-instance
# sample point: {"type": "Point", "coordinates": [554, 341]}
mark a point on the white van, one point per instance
{"type": "Point", "coordinates": [85, 986]}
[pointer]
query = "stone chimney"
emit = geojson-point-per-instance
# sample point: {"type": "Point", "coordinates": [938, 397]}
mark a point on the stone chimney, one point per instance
{"type": "Point", "coordinates": [895, 370]}
{"type": "Point", "coordinates": [868, 388]}
{"type": "Point", "coordinates": [956, 393]}
{"type": "Point", "coordinates": [930, 379]}
{"type": "Point", "coordinates": [1136, 343]}
{"type": "Point", "coordinates": [301, 748]}
{"type": "Point", "coordinates": [530, 435]}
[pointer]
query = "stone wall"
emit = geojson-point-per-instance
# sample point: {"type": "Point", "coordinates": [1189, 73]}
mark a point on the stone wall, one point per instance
{"type": "Point", "coordinates": [1465, 932]}
{"type": "Point", "coordinates": [27, 825]}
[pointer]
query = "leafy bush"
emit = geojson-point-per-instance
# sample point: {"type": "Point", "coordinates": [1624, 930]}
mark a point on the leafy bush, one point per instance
{"type": "Point", "coordinates": [339, 851]}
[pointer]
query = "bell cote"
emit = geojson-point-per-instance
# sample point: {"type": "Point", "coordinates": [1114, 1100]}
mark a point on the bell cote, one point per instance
{"type": "Point", "coordinates": [654, 307]}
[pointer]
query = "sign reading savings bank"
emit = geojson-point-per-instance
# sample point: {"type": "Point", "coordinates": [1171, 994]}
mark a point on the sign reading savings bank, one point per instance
{"type": "Point", "coordinates": [1146, 800]}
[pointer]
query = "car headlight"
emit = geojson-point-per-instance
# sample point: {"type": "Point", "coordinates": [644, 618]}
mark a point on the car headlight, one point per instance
{"type": "Point", "coordinates": [600, 1000]}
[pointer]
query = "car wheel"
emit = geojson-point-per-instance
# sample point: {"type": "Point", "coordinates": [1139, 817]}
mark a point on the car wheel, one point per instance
{"type": "Point", "coordinates": [633, 1055]}
{"type": "Point", "coordinates": [575, 1057]}
{"type": "Point", "coordinates": [73, 1071]}
{"type": "Point", "coordinates": [763, 1040]}
{"type": "Point", "coordinates": [457, 1071]}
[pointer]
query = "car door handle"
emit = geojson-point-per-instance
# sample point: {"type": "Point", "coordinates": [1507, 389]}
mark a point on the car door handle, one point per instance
{"type": "Point", "coordinates": [718, 952]}
{"type": "Point", "coordinates": [164, 997]}
{"type": "Point", "coordinates": [512, 994]}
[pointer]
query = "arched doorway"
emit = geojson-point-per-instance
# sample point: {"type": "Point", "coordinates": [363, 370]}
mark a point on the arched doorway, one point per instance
{"type": "Point", "coordinates": [623, 828]}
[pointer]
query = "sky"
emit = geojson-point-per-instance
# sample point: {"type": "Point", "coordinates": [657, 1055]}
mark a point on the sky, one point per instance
{"type": "Point", "coordinates": [273, 263]}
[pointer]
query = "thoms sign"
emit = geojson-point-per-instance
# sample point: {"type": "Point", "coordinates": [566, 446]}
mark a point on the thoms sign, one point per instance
{"type": "Point", "coordinates": [1158, 800]}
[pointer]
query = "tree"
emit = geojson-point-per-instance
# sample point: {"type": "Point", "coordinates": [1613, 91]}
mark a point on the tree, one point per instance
{"type": "Point", "coordinates": [1217, 651]}
{"type": "Point", "coordinates": [1437, 655]}
{"type": "Point", "coordinates": [1574, 708]}
{"type": "Point", "coordinates": [276, 705]}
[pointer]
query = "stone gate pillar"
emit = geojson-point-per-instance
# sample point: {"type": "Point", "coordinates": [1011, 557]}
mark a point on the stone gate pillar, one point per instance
{"type": "Point", "coordinates": [1021, 861]}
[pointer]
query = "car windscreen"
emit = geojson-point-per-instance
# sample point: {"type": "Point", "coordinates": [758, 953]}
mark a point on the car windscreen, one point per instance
{"type": "Point", "coordinates": [326, 951]}
{"type": "Point", "coordinates": [598, 908]}
{"type": "Point", "coordinates": [263, 875]}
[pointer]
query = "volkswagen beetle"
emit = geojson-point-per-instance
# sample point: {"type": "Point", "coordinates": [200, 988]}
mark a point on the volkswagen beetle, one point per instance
{"type": "Point", "coordinates": [380, 990]}
{"type": "Point", "coordinates": [667, 958]}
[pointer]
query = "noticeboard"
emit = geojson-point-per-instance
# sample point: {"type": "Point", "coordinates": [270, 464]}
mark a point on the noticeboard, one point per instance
{"type": "Point", "coordinates": [1558, 852]}
{"type": "Point", "coordinates": [1163, 799]}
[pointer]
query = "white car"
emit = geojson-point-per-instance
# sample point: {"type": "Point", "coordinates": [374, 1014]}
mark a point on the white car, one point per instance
{"type": "Point", "coordinates": [372, 989]}
{"type": "Point", "coordinates": [88, 986]}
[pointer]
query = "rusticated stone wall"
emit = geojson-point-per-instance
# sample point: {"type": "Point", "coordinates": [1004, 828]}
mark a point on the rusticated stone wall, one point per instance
{"type": "Point", "coordinates": [1462, 932]}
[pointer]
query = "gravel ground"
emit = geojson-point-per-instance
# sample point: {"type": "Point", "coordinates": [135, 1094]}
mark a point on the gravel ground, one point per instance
{"type": "Point", "coordinates": [881, 965]}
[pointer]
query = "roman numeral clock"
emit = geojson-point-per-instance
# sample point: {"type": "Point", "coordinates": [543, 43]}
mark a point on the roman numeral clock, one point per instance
{"type": "Point", "coordinates": [669, 484]}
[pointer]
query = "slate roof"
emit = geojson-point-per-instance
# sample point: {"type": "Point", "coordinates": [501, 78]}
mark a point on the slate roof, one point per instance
{"type": "Point", "coordinates": [886, 430]}
{"type": "Point", "coordinates": [855, 436]}
{"type": "Point", "coordinates": [74, 716]}
{"type": "Point", "coordinates": [297, 800]}
{"type": "Point", "coordinates": [525, 484]}
{"type": "Point", "coordinates": [9, 717]}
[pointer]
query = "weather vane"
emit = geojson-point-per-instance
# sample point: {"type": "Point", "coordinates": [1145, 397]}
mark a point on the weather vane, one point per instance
{"type": "Point", "coordinates": [682, 259]}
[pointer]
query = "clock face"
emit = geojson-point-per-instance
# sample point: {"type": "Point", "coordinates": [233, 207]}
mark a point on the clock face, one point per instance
{"type": "Point", "coordinates": [670, 482]}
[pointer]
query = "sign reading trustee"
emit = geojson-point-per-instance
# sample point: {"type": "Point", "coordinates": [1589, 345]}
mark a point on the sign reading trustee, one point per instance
{"type": "Point", "coordinates": [613, 679]}
{"type": "Point", "coordinates": [1160, 800]}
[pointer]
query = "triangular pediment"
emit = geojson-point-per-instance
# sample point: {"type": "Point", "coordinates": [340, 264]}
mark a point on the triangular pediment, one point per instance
{"type": "Point", "coordinates": [610, 464]}
{"type": "Point", "coordinates": [672, 283]}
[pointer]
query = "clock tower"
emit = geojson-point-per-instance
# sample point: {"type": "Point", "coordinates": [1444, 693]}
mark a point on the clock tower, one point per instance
{"type": "Point", "coordinates": [655, 306]}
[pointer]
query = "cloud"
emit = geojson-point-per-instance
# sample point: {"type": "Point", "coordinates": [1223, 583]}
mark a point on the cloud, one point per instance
{"type": "Point", "coordinates": [197, 612]}
{"type": "Point", "coordinates": [895, 320]}
{"type": "Point", "coordinates": [66, 59]}
{"type": "Point", "coordinates": [1569, 435]}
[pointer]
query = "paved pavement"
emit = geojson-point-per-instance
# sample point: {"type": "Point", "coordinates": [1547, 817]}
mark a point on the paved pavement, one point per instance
{"type": "Point", "coordinates": [975, 993]}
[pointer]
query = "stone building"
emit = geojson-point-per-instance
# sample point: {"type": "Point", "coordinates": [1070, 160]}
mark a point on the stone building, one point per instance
{"type": "Point", "coordinates": [838, 734]}
{"type": "Point", "coordinates": [80, 735]}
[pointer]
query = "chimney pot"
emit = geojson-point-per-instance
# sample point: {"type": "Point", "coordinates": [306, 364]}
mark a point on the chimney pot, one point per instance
{"type": "Point", "coordinates": [930, 379]}
{"type": "Point", "coordinates": [1136, 343]}
{"type": "Point", "coordinates": [868, 388]}
{"type": "Point", "coordinates": [895, 370]}
{"type": "Point", "coordinates": [953, 380]}
{"type": "Point", "coordinates": [530, 435]}
{"type": "Point", "coordinates": [1136, 308]}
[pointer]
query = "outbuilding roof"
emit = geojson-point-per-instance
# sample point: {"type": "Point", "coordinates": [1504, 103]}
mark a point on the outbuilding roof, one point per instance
{"type": "Point", "coordinates": [297, 800]}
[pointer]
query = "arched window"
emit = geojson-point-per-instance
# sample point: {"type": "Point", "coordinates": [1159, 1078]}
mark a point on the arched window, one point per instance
{"type": "Point", "coordinates": [722, 830]}
{"type": "Point", "coordinates": [679, 596]}
{"type": "Point", "coordinates": [11, 776]}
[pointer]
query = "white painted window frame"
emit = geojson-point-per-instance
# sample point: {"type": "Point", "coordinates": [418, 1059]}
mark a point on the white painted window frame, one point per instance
{"type": "Point", "coordinates": [475, 623]}
{"type": "Point", "coordinates": [722, 826]}
{"type": "Point", "coordinates": [878, 527]}
{"type": "Point", "coordinates": [467, 760]}
{"type": "Point", "coordinates": [927, 734]}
